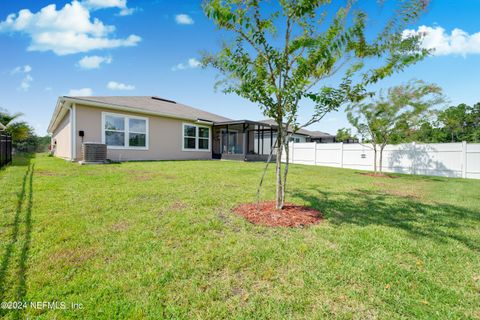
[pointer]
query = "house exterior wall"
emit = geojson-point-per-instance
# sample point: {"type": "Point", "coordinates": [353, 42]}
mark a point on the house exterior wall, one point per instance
{"type": "Point", "coordinates": [165, 136]}
{"type": "Point", "coordinates": [62, 136]}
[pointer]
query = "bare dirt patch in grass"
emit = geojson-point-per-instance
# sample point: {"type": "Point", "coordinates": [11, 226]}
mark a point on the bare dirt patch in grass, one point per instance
{"type": "Point", "coordinates": [265, 213]}
{"type": "Point", "coordinates": [404, 191]}
{"type": "Point", "coordinates": [45, 173]}
{"type": "Point", "coordinates": [120, 226]}
{"type": "Point", "coordinates": [175, 207]}
{"type": "Point", "coordinates": [143, 175]}
{"type": "Point", "coordinates": [74, 257]}
{"type": "Point", "coordinates": [378, 175]}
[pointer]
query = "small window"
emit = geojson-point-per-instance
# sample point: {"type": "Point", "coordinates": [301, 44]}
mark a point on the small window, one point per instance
{"type": "Point", "coordinates": [137, 132]}
{"type": "Point", "coordinates": [203, 138]}
{"type": "Point", "coordinates": [196, 138]}
{"type": "Point", "coordinates": [125, 132]}
{"type": "Point", "coordinates": [114, 131]}
{"type": "Point", "coordinates": [189, 136]}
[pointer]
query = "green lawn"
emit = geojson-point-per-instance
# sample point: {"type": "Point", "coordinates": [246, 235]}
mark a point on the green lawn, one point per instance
{"type": "Point", "coordinates": [158, 240]}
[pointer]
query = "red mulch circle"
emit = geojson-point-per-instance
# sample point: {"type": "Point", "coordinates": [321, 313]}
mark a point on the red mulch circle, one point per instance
{"type": "Point", "coordinates": [265, 213]}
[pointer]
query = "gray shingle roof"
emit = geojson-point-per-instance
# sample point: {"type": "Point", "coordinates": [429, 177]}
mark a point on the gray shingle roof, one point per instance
{"type": "Point", "coordinates": [157, 105]}
{"type": "Point", "coordinates": [313, 134]}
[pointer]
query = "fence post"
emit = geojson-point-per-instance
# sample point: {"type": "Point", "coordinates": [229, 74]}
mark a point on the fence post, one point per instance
{"type": "Point", "coordinates": [464, 159]}
{"type": "Point", "coordinates": [414, 160]}
{"type": "Point", "coordinates": [341, 154]}
{"type": "Point", "coordinates": [315, 153]}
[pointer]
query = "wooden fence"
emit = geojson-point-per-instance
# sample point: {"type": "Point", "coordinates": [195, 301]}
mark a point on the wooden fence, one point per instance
{"type": "Point", "coordinates": [5, 150]}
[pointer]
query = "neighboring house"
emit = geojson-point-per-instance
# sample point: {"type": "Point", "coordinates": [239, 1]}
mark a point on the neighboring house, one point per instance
{"type": "Point", "coordinates": [2, 127]}
{"type": "Point", "coordinates": [152, 128]}
{"type": "Point", "coordinates": [304, 135]}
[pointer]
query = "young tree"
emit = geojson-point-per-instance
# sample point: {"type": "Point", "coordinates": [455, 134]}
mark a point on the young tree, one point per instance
{"type": "Point", "coordinates": [282, 54]}
{"type": "Point", "coordinates": [401, 108]}
{"type": "Point", "coordinates": [344, 134]}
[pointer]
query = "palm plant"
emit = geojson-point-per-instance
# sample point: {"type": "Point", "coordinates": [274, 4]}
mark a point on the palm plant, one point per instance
{"type": "Point", "coordinates": [19, 130]}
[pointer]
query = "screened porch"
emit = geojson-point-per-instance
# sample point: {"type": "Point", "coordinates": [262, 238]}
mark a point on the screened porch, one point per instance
{"type": "Point", "coordinates": [243, 140]}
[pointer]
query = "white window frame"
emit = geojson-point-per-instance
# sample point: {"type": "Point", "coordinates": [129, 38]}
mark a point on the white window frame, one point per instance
{"type": "Point", "coordinates": [197, 137]}
{"type": "Point", "coordinates": [126, 119]}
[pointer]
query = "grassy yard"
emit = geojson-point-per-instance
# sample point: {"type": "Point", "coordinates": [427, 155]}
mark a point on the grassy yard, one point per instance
{"type": "Point", "coordinates": [158, 240]}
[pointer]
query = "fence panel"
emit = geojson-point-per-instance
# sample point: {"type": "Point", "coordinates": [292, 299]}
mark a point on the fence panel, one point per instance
{"type": "Point", "coordinates": [5, 150]}
{"type": "Point", "coordinates": [461, 160]}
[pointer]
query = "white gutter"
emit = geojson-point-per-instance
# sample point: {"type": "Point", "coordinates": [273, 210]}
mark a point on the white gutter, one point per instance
{"type": "Point", "coordinates": [71, 131]}
{"type": "Point", "coordinates": [204, 122]}
{"type": "Point", "coordinates": [56, 113]}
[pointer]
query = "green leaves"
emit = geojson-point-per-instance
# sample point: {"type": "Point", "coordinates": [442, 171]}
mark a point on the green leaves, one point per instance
{"type": "Point", "coordinates": [282, 54]}
{"type": "Point", "coordinates": [402, 108]}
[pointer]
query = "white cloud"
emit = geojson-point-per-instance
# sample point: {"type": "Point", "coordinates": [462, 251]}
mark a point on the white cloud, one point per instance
{"type": "Point", "coordinates": [192, 63]}
{"type": "Point", "coordinates": [65, 31]}
{"type": "Point", "coordinates": [21, 69]}
{"type": "Point", "coordinates": [113, 85]}
{"type": "Point", "coordinates": [127, 11]}
{"type": "Point", "coordinates": [26, 82]}
{"type": "Point", "coordinates": [93, 62]}
{"type": "Point", "coordinates": [102, 4]}
{"type": "Point", "coordinates": [27, 79]}
{"type": "Point", "coordinates": [80, 92]}
{"type": "Point", "coordinates": [184, 19]}
{"type": "Point", "coordinates": [457, 42]}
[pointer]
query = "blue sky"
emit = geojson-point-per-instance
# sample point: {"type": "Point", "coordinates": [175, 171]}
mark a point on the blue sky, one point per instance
{"type": "Point", "coordinates": [115, 47]}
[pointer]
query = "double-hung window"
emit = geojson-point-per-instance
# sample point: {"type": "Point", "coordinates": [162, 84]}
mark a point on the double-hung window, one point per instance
{"type": "Point", "coordinates": [121, 131]}
{"type": "Point", "coordinates": [196, 138]}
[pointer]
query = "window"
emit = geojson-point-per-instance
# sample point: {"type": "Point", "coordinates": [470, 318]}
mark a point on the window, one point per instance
{"type": "Point", "coordinates": [137, 133]}
{"type": "Point", "coordinates": [114, 131]}
{"type": "Point", "coordinates": [203, 138]}
{"type": "Point", "coordinates": [125, 131]}
{"type": "Point", "coordinates": [196, 138]}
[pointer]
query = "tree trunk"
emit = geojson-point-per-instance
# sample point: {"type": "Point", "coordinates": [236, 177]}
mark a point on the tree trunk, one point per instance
{"type": "Point", "coordinates": [265, 169]}
{"type": "Point", "coordinates": [381, 159]}
{"type": "Point", "coordinates": [285, 171]}
{"type": "Point", "coordinates": [279, 189]}
{"type": "Point", "coordinates": [375, 160]}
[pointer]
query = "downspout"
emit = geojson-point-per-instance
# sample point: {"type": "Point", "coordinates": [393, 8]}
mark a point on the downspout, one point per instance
{"type": "Point", "coordinates": [70, 112]}
{"type": "Point", "coordinates": [74, 133]}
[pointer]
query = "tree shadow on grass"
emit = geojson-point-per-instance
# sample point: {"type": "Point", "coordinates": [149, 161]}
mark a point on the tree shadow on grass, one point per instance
{"type": "Point", "coordinates": [22, 159]}
{"type": "Point", "coordinates": [360, 207]}
{"type": "Point", "coordinates": [22, 215]}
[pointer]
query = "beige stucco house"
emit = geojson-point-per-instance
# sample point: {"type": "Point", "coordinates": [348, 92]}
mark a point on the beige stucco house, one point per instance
{"type": "Point", "coordinates": [152, 128]}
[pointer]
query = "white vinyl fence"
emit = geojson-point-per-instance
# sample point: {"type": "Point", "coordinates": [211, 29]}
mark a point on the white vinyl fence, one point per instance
{"type": "Point", "coordinates": [460, 160]}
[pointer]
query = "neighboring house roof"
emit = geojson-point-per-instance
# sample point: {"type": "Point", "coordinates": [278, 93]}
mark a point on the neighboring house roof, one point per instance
{"type": "Point", "coordinates": [143, 104]}
{"type": "Point", "coordinates": [305, 132]}
{"type": "Point", "coordinates": [2, 127]}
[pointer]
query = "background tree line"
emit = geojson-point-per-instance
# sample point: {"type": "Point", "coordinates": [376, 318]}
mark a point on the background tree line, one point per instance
{"type": "Point", "coordinates": [24, 138]}
{"type": "Point", "coordinates": [453, 124]}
